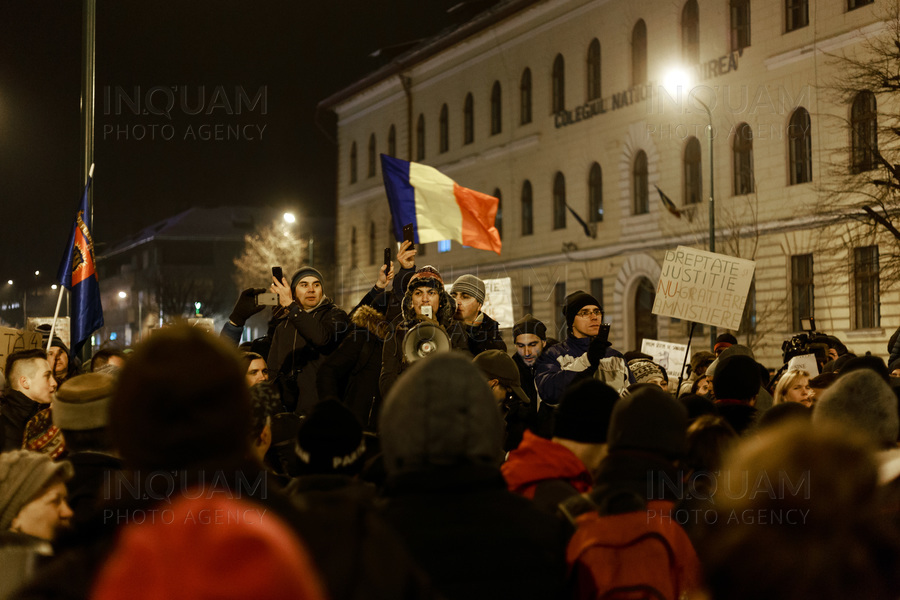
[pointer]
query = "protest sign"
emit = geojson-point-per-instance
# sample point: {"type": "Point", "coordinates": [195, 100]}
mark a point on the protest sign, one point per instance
{"type": "Point", "coordinates": [667, 355]}
{"type": "Point", "coordinates": [804, 362]}
{"type": "Point", "coordinates": [13, 340]}
{"type": "Point", "coordinates": [498, 301]}
{"type": "Point", "coordinates": [695, 285]}
{"type": "Point", "coordinates": [61, 330]}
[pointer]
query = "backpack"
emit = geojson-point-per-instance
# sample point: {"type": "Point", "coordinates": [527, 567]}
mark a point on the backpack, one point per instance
{"type": "Point", "coordinates": [636, 555]}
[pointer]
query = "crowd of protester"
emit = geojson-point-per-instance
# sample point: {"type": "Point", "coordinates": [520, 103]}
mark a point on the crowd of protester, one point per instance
{"type": "Point", "coordinates": [402, 451]}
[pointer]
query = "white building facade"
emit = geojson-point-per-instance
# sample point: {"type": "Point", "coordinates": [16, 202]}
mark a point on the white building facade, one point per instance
{"type": "Point", "coordinates": [557, 103]}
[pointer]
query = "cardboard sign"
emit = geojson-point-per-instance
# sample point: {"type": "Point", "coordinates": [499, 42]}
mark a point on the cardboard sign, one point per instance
{"type": "Point", "coordinates": [667, 355]}
{"type": "Point", "coordinates": [61, 331]}
{"type": "Point", "coordinates": [13, 340]}
{"type": "Point", "coordinates": [498, 301]}
{"type": "Point", "coordinates": [695, 285]}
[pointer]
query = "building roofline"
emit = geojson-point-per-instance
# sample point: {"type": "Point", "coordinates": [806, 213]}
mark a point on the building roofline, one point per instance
{"type": "Point", "coordinates": [427, 49]}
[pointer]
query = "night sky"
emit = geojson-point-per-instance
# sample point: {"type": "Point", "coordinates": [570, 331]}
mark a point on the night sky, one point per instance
{"type": "Point", "coordinates": [198, 57]}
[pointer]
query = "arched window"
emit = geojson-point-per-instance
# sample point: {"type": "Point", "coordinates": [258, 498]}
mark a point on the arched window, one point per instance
{"type": "Point", "coordinates": [593, 70]}
{"type": "Point", "coordinates": [559, 83]}
{"type": "Point", "coordinates": [693, 186]}
{"type": "Point", "coordinates": [740, 24]}
{"type": "Point", "coordinates": [527, 209]}
{"type": "Point", "coordinates": [639, 53]}
{"type": "Point", "coordinates": [800, 147]}
{"type": "Point", "coordinates": [420, 138]}
{"type": "Point", "coordinates": [353, 246]}
{"type": "Point", "coordinates": [498, 219]}
{"type": "Point", "coordinates": [595, 194]}
{"type": "Point", "coordinates": [639, 184]}
{"type": "Point", "coordinates": [742, 148]}
{"type": "Point", "coordinates": [496, 109]}
{"type": "Point", "coordinates": [392, 141]}
{"type": "Point", "coordinates": [353, 162]}
{"type": "Point", "coordinates": [525, 97]}
{"type": "Point", "coordinates": [644, 319]}
{"type": "Point", "coordinates": [445, 129]}
{"type": "Point", "coordinates": [559, 201]}
{"type": "Point", "coordinates": [864, 132]}
{"type": "Point", "coordinates": [372, 242]}
{"type": "Point", "coordinates": [469, 120]}
{"type": "Point", "coordinates": [690, 33]}
{"type": "Point", "coordinates": [372, 155]}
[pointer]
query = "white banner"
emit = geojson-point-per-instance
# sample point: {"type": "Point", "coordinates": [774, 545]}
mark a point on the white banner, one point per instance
{"type": "Point", "coordinates": [667, 355]}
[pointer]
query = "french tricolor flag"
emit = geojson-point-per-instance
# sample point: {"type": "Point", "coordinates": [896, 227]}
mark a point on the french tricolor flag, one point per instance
{"type": "Point", "coordinates": [437, 206]}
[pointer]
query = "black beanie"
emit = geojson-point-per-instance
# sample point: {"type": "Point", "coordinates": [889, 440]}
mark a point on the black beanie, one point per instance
{"type": "Point", "coordinates": [529, 324]}
{"type": "Point", "coordinates": [575, 302]}
{"type": "Point", "coordinates": [736, 378]}
{"type": "Point", "coordinates": [584, 412]}
{"type": "Point", "coordinates": [648, 420]}
{"type": "Point", "coordinates": [330, 441]}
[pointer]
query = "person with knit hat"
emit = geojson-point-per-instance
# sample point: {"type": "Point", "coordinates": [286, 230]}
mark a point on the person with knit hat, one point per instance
{"type": "Point", "coordinates": [441, 437]}
{"type": "Point", "coordinates": [31, 388]}
{"type": "Point", "coordinates": [736, 385]}
{"type": "Point", "coordinates": [644, 370]}
{"type": "Point", "coordinates": [530, 340]}
{"type": "Point", "coordinates": [585, 353]}
{"type": "Point", "coordinates": [311, 327]}
{"type": "Point", "coordinates": [549, 471]}
{"type": "Point", "coordinates": [33, 494]}
{"type": "Point", "coordinates": [425, 300]}
{"type": "Point", "coordinates": [725, 340]}
{"type": "Point", "coordinates": [482, 332]}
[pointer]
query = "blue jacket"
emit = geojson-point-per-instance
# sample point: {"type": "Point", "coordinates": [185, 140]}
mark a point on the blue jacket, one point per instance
{"type": "Point", "coordinates": [564, 363]}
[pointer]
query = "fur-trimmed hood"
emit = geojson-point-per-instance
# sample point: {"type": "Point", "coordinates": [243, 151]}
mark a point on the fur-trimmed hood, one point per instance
{"type": "Point", "coordinates": [369, 318]}
{"type": "Point", "coordinates": [446, 306]}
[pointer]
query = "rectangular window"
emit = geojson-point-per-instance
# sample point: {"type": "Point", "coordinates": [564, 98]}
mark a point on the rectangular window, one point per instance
{"type": "Point", "coordinates": [796, 14]}
{"type": "Point", "coordinates": [802, 288]}
{"type": "Point", "coordinates": [597, 289]}
{"type": "Point", "coordinates": [443, 246]}
{"type": "Point", "coordinates": [559, 300]}
{"type": "Point", "coordinates": [740, 24]}
{"type": "Point", "coordinates": [527, 302]}
{"type": "Point", "coordinates": [866, 284]}
{"type": "Point", "coordinates": [851, 4]}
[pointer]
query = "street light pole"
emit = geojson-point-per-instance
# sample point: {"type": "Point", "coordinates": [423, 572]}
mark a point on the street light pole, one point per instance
{"type": "Point", "coordinates": [712, 200]}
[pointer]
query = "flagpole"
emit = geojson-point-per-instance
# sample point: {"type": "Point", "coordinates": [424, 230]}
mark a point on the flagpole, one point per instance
{"type": "Point", "coordinates": [55, 316]}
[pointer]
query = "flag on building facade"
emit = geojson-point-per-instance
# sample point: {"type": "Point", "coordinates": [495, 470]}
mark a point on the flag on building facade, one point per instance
{"type": "Point", "coordinates": [438, 207]}
{"type": "Point", "coordinates": [78, 274]}
{"type": "Point", "coordinates": [667, 202]}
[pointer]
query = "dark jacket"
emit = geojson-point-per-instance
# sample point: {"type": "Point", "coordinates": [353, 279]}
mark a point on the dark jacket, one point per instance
{"type": "Point", "coordinates": [473, 537]}
{"type": "Point", "coordinates": [351, 372]}
{"type": "Point", "coordinates": [16, 409]}
{"type": "Point", "coordinates": [483, 336]}
{"type": "Point", "coordinates": [299, 344]}
{"type": "Point", "coordinates": [86, 486]}
{"type": "Point", "coordinates": [566, 362]}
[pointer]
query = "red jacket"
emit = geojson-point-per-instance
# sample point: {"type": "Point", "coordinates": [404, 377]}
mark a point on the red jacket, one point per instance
{"type": "Point", "coordinates": [538, 459]}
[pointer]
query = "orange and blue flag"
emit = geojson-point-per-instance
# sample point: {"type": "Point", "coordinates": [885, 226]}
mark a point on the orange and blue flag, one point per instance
{"type": "Point", "coordinates": [78, 274]}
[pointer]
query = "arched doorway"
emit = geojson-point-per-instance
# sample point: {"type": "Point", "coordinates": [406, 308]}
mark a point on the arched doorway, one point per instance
{"type": "Point", "coordinates": [644, 319]}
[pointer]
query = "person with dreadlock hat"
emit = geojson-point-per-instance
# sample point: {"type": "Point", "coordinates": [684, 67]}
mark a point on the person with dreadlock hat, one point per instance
{"type": "Point", "coordinates": [424, 300]}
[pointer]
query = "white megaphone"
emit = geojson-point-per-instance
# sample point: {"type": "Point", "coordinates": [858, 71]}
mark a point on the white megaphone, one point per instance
{"type": "Point", "coordinates": [424, 339]}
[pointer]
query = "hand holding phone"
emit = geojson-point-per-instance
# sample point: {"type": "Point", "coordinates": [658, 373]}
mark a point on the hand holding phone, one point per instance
{"type": "Point", "coordinates": [408, 235]}
{"type": "Point", "coordinates": [387, 260]}
{"type": "Point", "coordinates": [278, 274]}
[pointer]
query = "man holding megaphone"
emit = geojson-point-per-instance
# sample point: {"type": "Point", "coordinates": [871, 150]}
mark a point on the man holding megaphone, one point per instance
{"type": "Point", "coordinates": [424, 326]}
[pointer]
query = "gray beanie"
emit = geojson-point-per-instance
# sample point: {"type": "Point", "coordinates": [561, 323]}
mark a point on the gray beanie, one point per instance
{"type": "Point", "coordinates": [440, 412]}
{"type": "Point", "coordinates": [471, 285]}
{"type": "Point", "coordinates": [23, 474]}
{"type": "Point", "coordinates": [306, 271]}
{"type": "Point", "coordinates": [863, 400]}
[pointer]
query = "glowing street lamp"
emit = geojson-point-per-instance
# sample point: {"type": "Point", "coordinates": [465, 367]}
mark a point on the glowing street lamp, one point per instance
{"type": "Point", "coordinates": [123, 295]}
{"type": "Point", "coordinates": [676, 79]}
{"type": "Point", "coordinates": [290, 218]}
